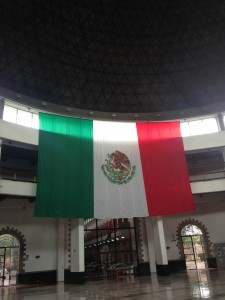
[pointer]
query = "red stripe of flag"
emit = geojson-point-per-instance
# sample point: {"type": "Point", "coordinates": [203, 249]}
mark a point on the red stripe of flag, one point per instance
{"type": "Point", "coordinates": [166, 179]}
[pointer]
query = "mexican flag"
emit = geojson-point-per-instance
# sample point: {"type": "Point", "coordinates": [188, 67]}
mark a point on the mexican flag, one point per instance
{"type": "Point", "coordinates": [101, 169]}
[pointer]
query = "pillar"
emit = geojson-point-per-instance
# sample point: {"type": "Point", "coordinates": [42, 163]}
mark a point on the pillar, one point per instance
{"type": "Point", "coordinates": [160, 246]}
{"type": "Point", "coordinates": [151, 244]}
{"type": "Point", "coordinates": [61, 251]}
{"type": "Point", "coordinates": [2, 103]}
{"type": "Point", "coordinates": [77, 267]}
{"type": "Point", "coordinates": [156, 246]}
{"type": "Point", "coordinates": [221, 123]}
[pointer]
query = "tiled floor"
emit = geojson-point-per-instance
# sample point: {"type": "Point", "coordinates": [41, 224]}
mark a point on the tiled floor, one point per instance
{"type": "Point", "coordinates": [181, 286]}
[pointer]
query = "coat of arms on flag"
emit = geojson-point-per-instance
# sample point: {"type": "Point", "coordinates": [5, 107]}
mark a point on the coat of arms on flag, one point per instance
{"type": "Point", "coordinates": [118, 168]}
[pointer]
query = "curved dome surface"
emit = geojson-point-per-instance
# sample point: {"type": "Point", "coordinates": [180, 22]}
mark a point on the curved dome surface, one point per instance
{"type": "Point", "coordinates": [115, 56]}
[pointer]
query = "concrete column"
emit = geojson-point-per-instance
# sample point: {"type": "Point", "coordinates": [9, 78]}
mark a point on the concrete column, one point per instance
{"type": "Point", "coordinates": [0, 149]}
{"type": "Point", "coordinates": [151, 244]}
{"type": "Point", "coordinates": [223, 154]}
{"type": "Point", "coordinates": [221, 123]}
{"type": "Point", "coordinates": [77, 267]}
{"type": "Point", "coordinates": [2, 103]}
{"type": "Point", "coordinates": [61, 250]}
{"type": "Point", "coordinates": [160, 246]}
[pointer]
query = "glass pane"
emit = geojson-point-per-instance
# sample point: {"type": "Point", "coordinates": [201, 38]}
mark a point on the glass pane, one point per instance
{"type": "Point", "coordinates": [210, 125]}
{"type": "Point", "coordinates": [187, 244]}
{"type": "Point", "coordinates": [185, 130]}
{"type": "Point", "coordinates": [35, 121]}
{"type": "Point", "coordinates": [24, 118]}
{"type": "Point", "coordinates": [14, 263]}
{"type": "Point", "coordinates": [196, 127]}
{"type": "Point", "coordinates": [7, 240]}
{"type": "Point", "coordinates": [10, 114]}
{"type": "Point", "coordinates": [190, 258]}
{"type": "Point", "coordinates": [188, 250]}
{"type": "Point", "coordinates": [191, 230]}
{"type": "Point", "coordinates": [14, 251]}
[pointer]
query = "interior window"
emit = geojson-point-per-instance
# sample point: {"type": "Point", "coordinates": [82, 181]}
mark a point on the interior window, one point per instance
{"type": "Point", "coordinates": [10, 114]}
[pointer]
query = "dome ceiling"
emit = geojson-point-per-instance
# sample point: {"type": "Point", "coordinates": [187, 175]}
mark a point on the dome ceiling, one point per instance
{"type": "Point", "coordinates": [115, 56]}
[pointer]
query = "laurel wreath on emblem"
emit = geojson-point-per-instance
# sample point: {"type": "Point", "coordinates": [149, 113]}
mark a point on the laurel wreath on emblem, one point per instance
{"type": "Point", "coordinates": [117, 168]}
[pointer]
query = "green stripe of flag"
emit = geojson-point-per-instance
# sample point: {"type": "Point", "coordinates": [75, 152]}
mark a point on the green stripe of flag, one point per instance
{"type": "Point", "coordinates": [65, 187]}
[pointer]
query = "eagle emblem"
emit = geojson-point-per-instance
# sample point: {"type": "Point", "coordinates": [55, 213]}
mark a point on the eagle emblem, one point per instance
{"type": "Point", "coordinates": [117, 168]}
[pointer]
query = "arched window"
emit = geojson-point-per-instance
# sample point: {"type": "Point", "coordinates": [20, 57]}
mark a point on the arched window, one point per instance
{"type": "Point", "coordinates": [9, 259]}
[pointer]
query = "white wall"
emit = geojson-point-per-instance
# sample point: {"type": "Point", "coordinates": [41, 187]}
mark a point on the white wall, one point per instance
{"type": "Point", "coordinates": [40, 233]}
{"type": "Point", "coordinates": [205, 141]}
{"type": "Point", "coordinates": [18, 133]}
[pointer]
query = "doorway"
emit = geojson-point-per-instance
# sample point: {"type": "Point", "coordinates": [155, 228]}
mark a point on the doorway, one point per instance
{"type": "Point", "coordinates": [9, 259]}
{"type": "Point", "coordinates": [110, 244]}
{"type": "Point", "coordinates": [193, 247]}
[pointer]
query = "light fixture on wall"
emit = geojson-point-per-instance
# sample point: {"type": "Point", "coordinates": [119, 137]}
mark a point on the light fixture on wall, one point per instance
{"type": "Point", "coordinates": [173, 237]}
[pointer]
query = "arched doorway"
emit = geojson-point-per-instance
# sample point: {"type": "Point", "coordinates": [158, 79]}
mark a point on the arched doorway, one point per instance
{"type": "Point", "coordinates": [9, 259]}
{"type": "Point", "coordinates": [193, 247]}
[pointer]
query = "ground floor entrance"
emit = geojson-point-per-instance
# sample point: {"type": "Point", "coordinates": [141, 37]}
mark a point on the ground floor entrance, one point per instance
{"type": "Point", "coordinates": [193, 247]}
{"type": "Point", "coordinates": [9, 260]}
{"type": "Point", "coordinates": [110, 248]}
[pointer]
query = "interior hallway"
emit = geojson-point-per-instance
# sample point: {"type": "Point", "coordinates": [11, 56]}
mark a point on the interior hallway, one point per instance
{"type": "Point", "coordinates": [202, 284]}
